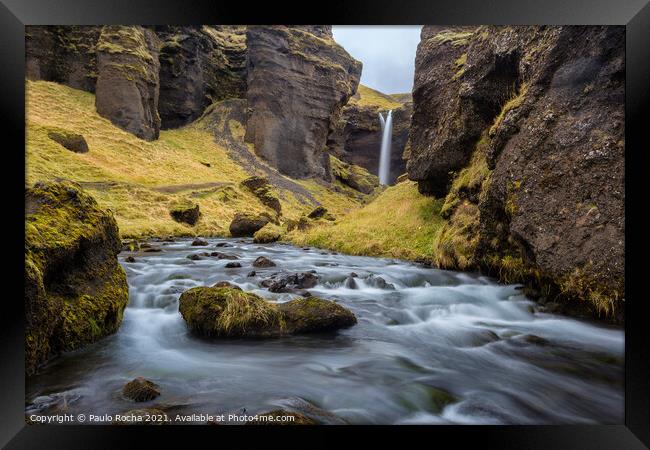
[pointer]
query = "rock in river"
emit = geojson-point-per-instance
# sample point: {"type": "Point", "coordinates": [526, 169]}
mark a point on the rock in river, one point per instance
{"type": "Point", "coordinates": [246, 224]}
{"type": "Point", "coordinates": [228, 312]}
{"type": "Point", "coordinates": [140, 390]}
{"type": "Point", "coordinates": [263, 261]}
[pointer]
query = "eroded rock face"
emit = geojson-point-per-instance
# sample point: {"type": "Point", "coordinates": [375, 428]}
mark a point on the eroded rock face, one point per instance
{"type": "Point", "coordinates": [75, 290]}
{"type": "Point", "coordinates": [63, 54]}
{"type": "Point", "coordinates": [228, 312]}
{"type": "Point", "coordinates": [244, 224]}
{"type": "Point", "coordinates": [128, 79]}
{"type": "Point", "coordinates": [298, 80]}
{"type": "Point", "coordinates": [199, 65]}
{"type": "Point", "coordinates": [536, 116]}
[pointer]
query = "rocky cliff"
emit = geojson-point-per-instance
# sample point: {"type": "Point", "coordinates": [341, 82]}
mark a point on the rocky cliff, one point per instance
{"type": "Point", "coordinates": [198, 66]}
{"type": "Point", "coordinates": [75, 290]}
{"type": "Point", "coordinates": [356, 138]}
{"type": "Point", "coordinates": [298, 80]}
{"type": "Point", "coordinates": [522, 130]}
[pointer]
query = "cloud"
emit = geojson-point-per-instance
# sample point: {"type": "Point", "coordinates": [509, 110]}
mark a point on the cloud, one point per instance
{"type": "Point", "coordinates": [387, 54]}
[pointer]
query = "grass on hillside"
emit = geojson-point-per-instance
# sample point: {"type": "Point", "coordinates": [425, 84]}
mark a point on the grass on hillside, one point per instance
{"type": "Point", "coordinates": [140, 180]}
{"type": "Point", "coordinates": [399, 223]}
{"type": "Point", "coordinates": [366, 96]}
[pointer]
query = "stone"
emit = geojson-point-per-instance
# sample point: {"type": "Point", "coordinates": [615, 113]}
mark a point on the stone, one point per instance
{"type": "Point", "coordinates": [75, 288]}
{"type": "Point", "coordinates": [140, 390]}
{"type": "Point", "coordinates": [198, 242]}
{"type": "Point", "coordinates": [263, 261]}
{"type": "Point", "coordinates": [227, 312]}
{"type": "Point", "coordinates": [232, 265]}
{"type": "Point", "coordinates": [267, 234]}
{"type": "Point", "coordinates": [244, 224]}
{"type": "Point", "coordinates": [69, 140]}
{"type": "Point", "coordinates": [317, 213]}
{"type": "Point", "coordinates": [188, 213]}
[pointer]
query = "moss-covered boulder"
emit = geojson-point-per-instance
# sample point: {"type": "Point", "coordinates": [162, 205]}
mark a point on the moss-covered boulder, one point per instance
{"type": "Point", "coordinates": [185, 212]}
{"type": "Point", "coordinates": [268, 233]}
{"type": "Point", "coordinates": [244, 224]}
{"type": "Point", "coordinates": [140, 390]}
{"type": "Point", "coordinates": [75, 290]}
{"type": "Point", "coordinates": [354, 176]}
{"type": "Point", "coordinates": [228, 312]}
{"type": "Point", "coordinates": [261, 188]}
{"type": "Point", "coordinates": [69, 140]}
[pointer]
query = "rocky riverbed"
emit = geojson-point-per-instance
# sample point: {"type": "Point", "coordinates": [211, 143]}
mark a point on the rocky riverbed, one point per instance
{"type": "Point", "coordinates": [429, 346]}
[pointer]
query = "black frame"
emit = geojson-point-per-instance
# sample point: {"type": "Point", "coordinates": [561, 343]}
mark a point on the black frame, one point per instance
{"type": "Point", "coordinates": [635, 14]}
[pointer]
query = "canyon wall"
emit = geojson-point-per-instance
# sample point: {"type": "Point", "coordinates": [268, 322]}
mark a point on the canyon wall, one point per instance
{"type": "Point", "coordinates": [521, 129]}
{"type": "Point", "coordinates": [298, 81]}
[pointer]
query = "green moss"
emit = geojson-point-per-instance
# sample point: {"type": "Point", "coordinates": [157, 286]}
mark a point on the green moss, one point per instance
{"type": "Point", "coordinates": [366, 96]}
{"type": "Point", "coordinates": [454, 246]}
{"type": "Point", "coordinates": [454, 38]}
{"type": "Point", "coordinates": [584, 283]}
{"type": "Point", "coordinates": [227, 311]}
{"type": "Point", "coordinates": [516, 101]}
{"type": "Point", "coordinates": [268, 233]}
{"type": "Point", "coordinates": [354, 176]}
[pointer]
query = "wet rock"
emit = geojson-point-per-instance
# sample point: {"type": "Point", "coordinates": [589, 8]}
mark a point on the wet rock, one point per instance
{"type": "Point", "coordinates": [281, 417]}
{"type": "Point", "coordinates": [129, 259]}
{"type": "Point", "coordinates": [353, 274]}
{"type": "Point", "coordinates": [69, 304]}
{"type": "Point", "coordinates": [151, 249]}
{"type": "Point", "coordinates": [199, 242]}
{"type": "Point", "coordinates": [232, 265]}
{"type": "Point", "coordinates": [287, 282]}
{"type": "Point", "coordinates": [69, 140]}
{"type": "Point", "coordinates": [228, 312]}
{"type": "Point", "coordinates": [263, 261]}
{"type": "Point", "coordinates": [187, 212]}
{"type": "Point", "coordinates": [247, 224]}
{"type": "Point", "coordinates": [220, 255]}
{"type": "Point", "coordinates": [130, 245]}
{"type": "Point", "coordinates": [222, 244]}
{"type": "Point", "coordinates": [536, 340]}
{"type": "Point", "coordinates": [140, 390]}
{"type": "Point", "coordinates": [194, 257]}
{"type": "Point", "coordinates": [350, 283]}
{"type": "Point", "coordinates": [128, 79]}
{"type": "Point", "coordinates": [222, 284]}
{"type": "Point", "coordinates": [252, 273]}
{"type": "Point", "coordinates": [379, 282]}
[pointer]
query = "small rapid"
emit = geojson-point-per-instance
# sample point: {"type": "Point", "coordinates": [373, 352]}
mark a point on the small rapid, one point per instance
{"type": "Point", "coordinates": [430, 346]}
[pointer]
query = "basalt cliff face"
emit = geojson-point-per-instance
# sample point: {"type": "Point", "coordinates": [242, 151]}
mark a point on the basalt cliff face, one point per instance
{"type": "Point", "coordinates": [356, 138]}
{"type": "Point", "coordinates": [298, 81]}
{"type": "Point", "coordinates": [522, 129]}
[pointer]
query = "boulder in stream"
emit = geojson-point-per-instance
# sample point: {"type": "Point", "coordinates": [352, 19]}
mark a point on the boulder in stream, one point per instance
{"type": "Point", "coordinates": [263, 261]}
{"type": "Point", "coordinates": [247, 224]}
{"type": "Point", "coordinates": [140, 390]}
{"type": "Point", "coordinates": [228, 312]}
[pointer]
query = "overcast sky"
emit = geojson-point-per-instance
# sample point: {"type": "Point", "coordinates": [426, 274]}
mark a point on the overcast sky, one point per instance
{"type": "Point", "coordinates": [387, 54]}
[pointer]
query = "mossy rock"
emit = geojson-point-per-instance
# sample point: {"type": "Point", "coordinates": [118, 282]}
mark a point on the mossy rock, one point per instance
{"type": "Point", "coordinates": [185, 212]}
{"type": "Point", "coordinates": [228, 312]}
{"type": "Point", "coordinates": [75, 289]}
{"type": "Point", "coordinates": [317, 213]}
{"type": "Point", "coordinates": [268, 233]}
{"type": "Point", "coordinates": [261, 188]}
{"type": "Point", "coordinates": [354, 176]}
{"type": "Point", "coordinates": [69, 140]}
{"type": "Point", "coordinates": [244, 224]}
{"type": "Point", "coordinates": [140, 390]}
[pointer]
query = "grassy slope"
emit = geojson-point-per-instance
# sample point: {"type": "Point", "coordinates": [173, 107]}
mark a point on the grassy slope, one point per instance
{"type": "Point", "coordinates": [399, 223]}
{"type": "Point", "coordinates": [139, 180]}
{"type": "Point", "coordinates": [366, 96]}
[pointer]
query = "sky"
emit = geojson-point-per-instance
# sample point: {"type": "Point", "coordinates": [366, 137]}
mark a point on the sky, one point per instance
{"type": "Point", "coordinates": [387, 54]}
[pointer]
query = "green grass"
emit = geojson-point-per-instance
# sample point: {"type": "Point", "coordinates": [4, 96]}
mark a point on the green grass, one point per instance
{"type": "Point", "coordinates": [399, 223]}
{"type": "Point", "coordinates": [140, 181]}
{"type": "Point", "coordinates": [366, 96]}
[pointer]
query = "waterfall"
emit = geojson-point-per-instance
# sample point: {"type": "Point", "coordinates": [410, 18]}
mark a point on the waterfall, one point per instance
{"type": "Point", "coordinates": [386, 137]}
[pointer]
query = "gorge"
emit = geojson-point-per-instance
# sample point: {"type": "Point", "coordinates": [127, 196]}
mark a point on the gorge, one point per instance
{"type": "Point", "coordinates": [408, 250]}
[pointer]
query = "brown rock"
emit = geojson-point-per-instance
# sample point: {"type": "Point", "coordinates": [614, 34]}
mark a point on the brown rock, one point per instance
{"type": "Point", "coordinates": [263, 261]}
{"type": "Point", "coordinates": [247, 224]}
{"type": "Point", "coordinates": [140, 390]}
{"type": "Point", "coordinates": [71, 141]}
{"type": "Point", "coordinates": [127, 83]}
{"type": "Point", "coordinates": [302, 74]}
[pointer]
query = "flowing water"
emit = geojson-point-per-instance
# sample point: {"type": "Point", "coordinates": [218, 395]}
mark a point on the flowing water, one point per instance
{"type": "Point", "coordinates": [441, 347]}
{"type": "Point", "coordinates": [386, 140]}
